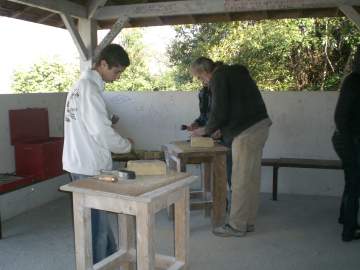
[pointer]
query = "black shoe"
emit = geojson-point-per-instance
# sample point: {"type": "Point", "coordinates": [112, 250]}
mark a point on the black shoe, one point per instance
{"type": "Point", "coordinates": [353, 236]}
{"type": "Point", "coordinates": [340, 221]}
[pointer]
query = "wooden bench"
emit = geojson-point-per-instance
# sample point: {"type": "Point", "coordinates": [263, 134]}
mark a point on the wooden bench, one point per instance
{"type": "Point", "coordinates": [10, 183]}
{"type": "Point", "coordinates": [297, 163]}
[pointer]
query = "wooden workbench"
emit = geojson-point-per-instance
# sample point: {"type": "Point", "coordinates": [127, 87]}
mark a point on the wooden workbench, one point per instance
{"type": "Point", "coordinates": [136, 199]}
{"type": "Point", "coordinates": [213, 160]}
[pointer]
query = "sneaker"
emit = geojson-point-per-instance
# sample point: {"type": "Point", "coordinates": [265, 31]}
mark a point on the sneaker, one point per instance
{"type": "Point", "coordinates": [250, 228]}
{"type": "Point", "coordinates": [354, 236]}
{"type": "Point", "coordinates": [228, 231]}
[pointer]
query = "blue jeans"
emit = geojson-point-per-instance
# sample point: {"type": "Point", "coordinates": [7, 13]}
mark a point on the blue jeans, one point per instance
{"type": "Point", "coordinates": [103, 239]}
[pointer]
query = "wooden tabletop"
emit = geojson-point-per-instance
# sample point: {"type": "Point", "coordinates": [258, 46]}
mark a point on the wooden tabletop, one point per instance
{"type": "Point", "coordinates": [130, 188]}
{"type": "Point", "coordinates": [185, 148]}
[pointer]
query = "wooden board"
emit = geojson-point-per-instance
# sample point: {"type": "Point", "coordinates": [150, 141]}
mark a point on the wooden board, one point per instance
{"type": "Point", "coordinates": [184, 147]}
{"type": "Point", "coordinates": [136, 187]}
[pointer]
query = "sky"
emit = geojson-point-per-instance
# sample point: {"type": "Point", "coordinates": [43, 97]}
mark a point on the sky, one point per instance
{"type": "Point", "coordinates": [25, 43]}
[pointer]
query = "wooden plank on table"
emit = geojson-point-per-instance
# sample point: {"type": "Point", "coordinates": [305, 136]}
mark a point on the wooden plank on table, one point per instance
{"type": "Point", "coordinates": [136, 187]}
{"type": "Point", "coordinates": [184, 147]}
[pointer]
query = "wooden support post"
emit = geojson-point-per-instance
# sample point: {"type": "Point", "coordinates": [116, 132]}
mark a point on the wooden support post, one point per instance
{"type": "Point", "coordinates": [82, 228]}
{"type": "Point", "coordinates": [145, 237]}
{"type": "Point", "coordinates": [88, 32]}
{"type": "Point", "coordinates": [351, 13]}
{"type": "Point", "coordinates": [182, 230]}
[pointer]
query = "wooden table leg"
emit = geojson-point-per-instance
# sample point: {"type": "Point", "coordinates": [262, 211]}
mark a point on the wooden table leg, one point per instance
{"type": "Point", "coordinates": [145, 238]}
{"type": "Point", "coordinates": [182, 230]}
{"type": "Point", "coordinates": [0, 224]}
{"type": "Point", "coordinates": [206, 179]}
{"type": "Point", "coordinates": [126, 230]}
{"type": "Point", "coordinates": [219, 190]}
{"type": "Point", "coordinates": [82, 228]}
{"type": "Point", "coordinates": [180, 166]}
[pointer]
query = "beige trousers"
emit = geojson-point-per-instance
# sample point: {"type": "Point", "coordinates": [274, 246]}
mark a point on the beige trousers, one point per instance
{"type": "Point", "coordinates": [247, 149]}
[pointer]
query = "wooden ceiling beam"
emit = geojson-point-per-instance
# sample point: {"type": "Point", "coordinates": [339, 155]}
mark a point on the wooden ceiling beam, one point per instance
{"type": "Point", "coordinates": [93, 6]}
{"type": "Point", "coordinates": [352, 14]}
{"type": "Point", "coordinates": [56, 6]}
{"type": "Point", "coordinates": [178, 8]}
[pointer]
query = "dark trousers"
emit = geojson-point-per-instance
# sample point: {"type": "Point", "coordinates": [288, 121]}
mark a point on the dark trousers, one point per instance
{"type": "Point", "coordinates": [348, 149]}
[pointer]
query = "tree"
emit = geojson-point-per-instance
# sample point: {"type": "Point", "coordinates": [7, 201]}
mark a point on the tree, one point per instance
{"type": "Point", "coordinates": [302, 54]}
{"type": "Point", "coordinates": [137, 76]}
{"type": "Point", "coordinates": [45, 76]}
{"type": "Point", "coordinates": [54, 76]}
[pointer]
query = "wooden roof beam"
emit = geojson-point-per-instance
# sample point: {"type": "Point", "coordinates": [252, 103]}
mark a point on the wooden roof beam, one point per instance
{"type": "Point", "coordinates": [79, 43]}
{"type": "Point", "coordinates": [115, 30]}
{"type": "Point", "coordinates": [45, 18]}
{"type": "Point", "coordinates": [21, 12]}
{"type": "Point", "coordinates": [352, 14]}
{"type": "Point", "coordinates": [56, 6]}
{"type": "Point", "coordinates": [177, 8]}
{"type": "Point", "coordinates": [93, 6]}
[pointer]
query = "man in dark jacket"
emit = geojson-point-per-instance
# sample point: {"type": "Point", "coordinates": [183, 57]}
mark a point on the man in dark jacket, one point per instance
{"type": "Point", "coordinates": [204, 108]}
{"type": "Point", "coordinates": [201, 121]}
{"type": "Point", "coordinates": [346, 141]}
{"type": "Point", "coordinates": [239, 111]}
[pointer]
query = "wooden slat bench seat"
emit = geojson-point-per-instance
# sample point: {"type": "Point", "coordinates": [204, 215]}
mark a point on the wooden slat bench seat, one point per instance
{"type": "Point", "coordinates": [297, 163]}
{"type": "Point", "coordinates": [11, 183]}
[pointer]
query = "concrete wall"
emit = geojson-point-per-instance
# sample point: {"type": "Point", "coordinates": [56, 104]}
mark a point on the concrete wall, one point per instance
{"type": "Point", "coordinates": [303, 124]}
{"type": "Point", "coordinates": [14, 203]}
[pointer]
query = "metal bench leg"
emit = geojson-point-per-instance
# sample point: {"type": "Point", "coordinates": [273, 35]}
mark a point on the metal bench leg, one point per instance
{"type": "Point", "coordinates": [0, 226]}
{"type": "Point", "coordinates": [275, 182]}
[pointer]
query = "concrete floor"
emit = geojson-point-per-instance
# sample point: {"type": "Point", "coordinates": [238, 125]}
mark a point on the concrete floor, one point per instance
{"type": "Point", "coordinates": [295, 233]}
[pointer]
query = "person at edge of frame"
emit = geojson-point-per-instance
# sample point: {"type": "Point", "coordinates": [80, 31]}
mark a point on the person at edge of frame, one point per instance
{"type": "Point", "coordinates": [346, 142]}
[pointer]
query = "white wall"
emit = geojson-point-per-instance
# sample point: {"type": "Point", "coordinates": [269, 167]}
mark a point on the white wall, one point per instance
{"type": "Point", "coordinates": [303, 124]}
{"type": "Point", "coordinates": [302, 127]}
{"type": "Point", "coordinates": [14, 203]}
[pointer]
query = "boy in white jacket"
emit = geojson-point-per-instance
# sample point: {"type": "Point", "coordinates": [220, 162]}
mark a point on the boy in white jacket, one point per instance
{"type": "Point", "coordinates": [89, 137]}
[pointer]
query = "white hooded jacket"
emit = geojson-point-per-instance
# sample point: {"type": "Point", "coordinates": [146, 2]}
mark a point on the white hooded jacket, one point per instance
{"type": "Point", "coordinates": [89, 138]}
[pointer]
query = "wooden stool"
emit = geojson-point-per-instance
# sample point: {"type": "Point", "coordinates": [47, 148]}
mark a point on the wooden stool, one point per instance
{"type": "Point", "coordinates": [138, 199]}
{"type": "Point", "coordinates": [213, 162]}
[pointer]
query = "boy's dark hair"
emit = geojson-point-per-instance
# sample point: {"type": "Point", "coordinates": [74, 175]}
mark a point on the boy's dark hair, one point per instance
{"type": "Point", "coordinates": [114, 55]}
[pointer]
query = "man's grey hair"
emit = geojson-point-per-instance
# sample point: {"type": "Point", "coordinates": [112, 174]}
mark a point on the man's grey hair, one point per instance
{"type": "Point", "coordinates": [203, 64]}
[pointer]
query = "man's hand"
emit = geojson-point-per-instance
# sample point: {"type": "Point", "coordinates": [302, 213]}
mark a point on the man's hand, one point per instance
{"type": "Point", "coordinates": [198, 132]}
{"type": "Point", "coordinates": [193, 126]}
{"type": "Point", "coordinates": [130, 140]}
{"type": "Point", "coordinates": [216, 135]}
